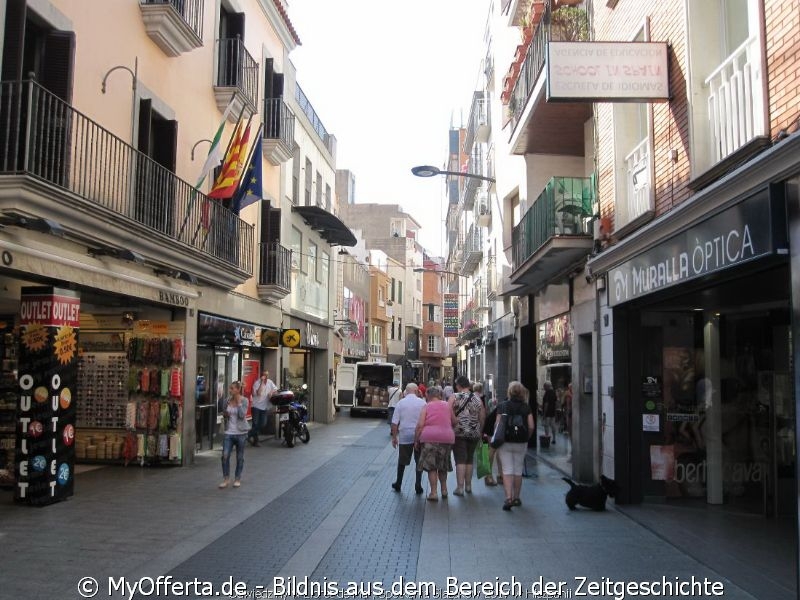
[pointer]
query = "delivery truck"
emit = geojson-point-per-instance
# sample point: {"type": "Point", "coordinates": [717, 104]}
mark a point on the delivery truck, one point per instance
{"type": "Point", "coordinates": [363, 387]}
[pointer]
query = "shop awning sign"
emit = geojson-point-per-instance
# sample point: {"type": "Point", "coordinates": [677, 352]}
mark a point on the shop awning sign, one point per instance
{"type": "Point", "coordinates": [749, 230]}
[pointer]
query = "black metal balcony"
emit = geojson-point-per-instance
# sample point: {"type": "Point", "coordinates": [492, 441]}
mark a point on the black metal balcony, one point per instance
{"type": "Point", "coordinates": [176, 26]}
{"type": "Point", "coordinates": [473, 250]}
{"type": "Point", "coordinates": [278, 143]}
{"type": "Point", "coordinates": [57, 162]}
{"type": "Point", "coordinates": [316, 123]}
{"type": "Point", "coordinates": [237, 70]}
{"type": "Point", "coordinates": [565, 24]}
{"type": "Point", "coordinates": [471, 184]}
{"type": "Point", "coordinates": [554, 232]}
{"type": "Point", "coordinates": [275, 271]}
{"type": "Point", "coordinates": [478, 127]}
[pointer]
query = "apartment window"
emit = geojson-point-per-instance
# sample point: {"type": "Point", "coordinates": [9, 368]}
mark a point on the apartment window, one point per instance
{"type": "Point", "coordinates": [381, 297]}
{"type": "Point", "coordinates": [397, 227]}
{"type": "Point", "coordinates": [296, 175]}
{"type": "Point", "coordinates": [157, 140]}
{"type": "Point", "coordinates": [392, 296]}
{"type": "Point", "coordinates": [431, 312]}
{"type": "Point", "coordinates": [433, 343]}
{"type": "Point", "coordinates": [319, 190]}
{"type": "Point", "coordinates": [324, 267]}
{"type": "Point", "coordinates": [309, 175]}
{"type": "Point", "coordinates": [327, 197]}
{"type": "Point", "coordinates": [399, 292]}
{"type": "Point", "coordinates": [392, 329]}
{"type": "Point", "coordinates": [399, 328]}
{"type": "Point", "coordinates": [296, 246]}
{"type": "Point", "coordinates": [311, 268]}
{"type": "Point", "coordinates": [727, 86]}
{"type": "Point", "coordinates": [632, 144]}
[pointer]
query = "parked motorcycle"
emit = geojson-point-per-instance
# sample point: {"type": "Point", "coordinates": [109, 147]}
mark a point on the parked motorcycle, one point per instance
{"type": "Point", "coordinates": [293, 417]}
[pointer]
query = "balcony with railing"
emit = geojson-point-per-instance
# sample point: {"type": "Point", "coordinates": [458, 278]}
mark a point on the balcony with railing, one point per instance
{"type": "Point", "coordinates": [735, 100]}
{"type": "Point", "coordinates": [554, 233]}
{"type": "Point", "coordinates": [473, 250]}
{"type": "Point", "coordinates": [480, 295]}
{"type": "Point", "coordinates": [57, 164]}
{"type": "Point", "coordinates": [237, 77]}
{"type": "Point", "coordinates": [478, 126]}
{"type": "Point", "coordinates": [316, 124]}
{"type": "Point", "coordinates": [278, 144]}
{"type": "Point", "coordinates": [538, 126]}
{"type": "Point", "coordinates": [275, 272]}
{"type": "Point", "coordinates": [176, 26]}
{"type": "Point", "coordinates": [491, 278]}
{"type": "Point", "coordinates": [483, 210]}
{"type": "Point", "coordinates": [477, 167]}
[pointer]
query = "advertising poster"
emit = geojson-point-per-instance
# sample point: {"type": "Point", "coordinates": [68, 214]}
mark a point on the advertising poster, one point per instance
{"type": "Point", "coordinates": [450, 302]}
{"type": "Point", "coordinates": [48, 370]}
{"type": "Point", "coordinates": [251, 371]}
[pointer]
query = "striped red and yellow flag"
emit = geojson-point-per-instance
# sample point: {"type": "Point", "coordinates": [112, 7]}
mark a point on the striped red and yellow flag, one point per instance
{"type": "Point", "coordinates": [233, 166]}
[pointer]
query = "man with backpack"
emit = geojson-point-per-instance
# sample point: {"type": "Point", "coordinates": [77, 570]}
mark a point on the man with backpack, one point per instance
{"type": "Point", "coordinates": [517, 419]}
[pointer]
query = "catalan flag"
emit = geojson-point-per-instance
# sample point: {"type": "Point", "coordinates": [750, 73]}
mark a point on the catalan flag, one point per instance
{"type": "Point", "coordinates": [250, 191]}
{"type": "Point", "coordinates": [232, 167]}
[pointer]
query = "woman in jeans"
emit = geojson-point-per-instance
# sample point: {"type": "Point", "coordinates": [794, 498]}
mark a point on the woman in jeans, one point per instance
{"type": "Point", "coordinates": [469, 413]}
{"type": "Point", "coordinates": [434, 436]}
{"type": "Point", "coordinates": [512, 454]}
{"type": "Point", "coordinates": [234, 414]}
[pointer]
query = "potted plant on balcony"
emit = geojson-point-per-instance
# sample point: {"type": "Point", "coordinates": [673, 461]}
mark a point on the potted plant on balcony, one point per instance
{"type": "Point", "coordinates": [569, 24]}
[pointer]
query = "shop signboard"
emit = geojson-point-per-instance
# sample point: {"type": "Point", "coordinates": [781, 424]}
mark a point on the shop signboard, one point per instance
{"type": "Point", "coordinates": [251, 371]}
{"type": "Point", "coordinates": [450, 302]}
{"type": "Point", "coordinates": [607, 71]}
{"type": "Point", "coordinates": [218, 330]}
{"type": "Point", "coordinates": [746, 231]}
{"type": "Point", "coordinates": [48, 371]}
{"type": "Point", "coordinates": [555, 339]}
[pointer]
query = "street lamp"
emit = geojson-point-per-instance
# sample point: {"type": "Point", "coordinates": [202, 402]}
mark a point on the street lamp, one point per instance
{"type": "Point", "coordinates": [430, 171]}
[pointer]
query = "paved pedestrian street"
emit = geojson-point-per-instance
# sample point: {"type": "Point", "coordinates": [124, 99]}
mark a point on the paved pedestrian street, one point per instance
{"type": "Point", "coordinates": [321, 520]}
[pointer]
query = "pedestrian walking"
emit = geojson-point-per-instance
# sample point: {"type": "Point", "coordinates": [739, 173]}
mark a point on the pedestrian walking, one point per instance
{"type": "Point", "coordinates": [234, 414]}
{"type": "Point", "coordinates": [263, 389]}
{"type": "Point", "coordinates": [518, 429]}
{"type": "Point", "coordinates": [434, 437]}
{"type": "Point", "coordinates": [404, 424]}
{"type": "Point", "coordinates": [394, 398]}
{"type": "Point", "coordinates": [549, 411]}
{"type": "Point", "coordinates": [447, 393]}
{"type": "Point", "coordinates": [490, 406]}
{"type": "Point", "coordinates": [469, 413]}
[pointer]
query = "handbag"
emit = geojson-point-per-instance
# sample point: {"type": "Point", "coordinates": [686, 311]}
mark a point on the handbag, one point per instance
{"type": "Point", "coordinates": [499, 435]}
{"type": "Point", "coordinates": [482, 455]}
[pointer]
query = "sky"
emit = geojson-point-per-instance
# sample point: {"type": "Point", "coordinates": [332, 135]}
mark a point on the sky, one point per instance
{"type": "Point", "coordinates": [388, 79]}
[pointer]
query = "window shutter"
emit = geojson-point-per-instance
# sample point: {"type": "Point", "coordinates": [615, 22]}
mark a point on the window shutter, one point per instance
{"type": "Point", "coordinates": [57, 67]}
{"type": "Point", "coordinates": [268, 81]}
{"type": "Point", "coordinates": [14, 40]}
{"type": "Point", "coordinates": [270, 223]}
{"type": "Point", "coordinates": [145, 125]}
{"type": "Point", "coordinates": [236, 25]}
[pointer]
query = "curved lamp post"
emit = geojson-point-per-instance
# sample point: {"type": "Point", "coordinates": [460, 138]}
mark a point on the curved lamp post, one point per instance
{"type": "Point", "coordinates": [430, 171]}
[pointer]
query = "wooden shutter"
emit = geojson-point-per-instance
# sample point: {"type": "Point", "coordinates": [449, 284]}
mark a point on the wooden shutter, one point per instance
{"type": "Point", "coordinates": [57, 66]}
{"type": "Point", "coordinates": [270, 223]}
{"type": "Point", "coordinates": [268, 82]}
{"type": "Point", "coordinates": [145, 125]}
{"type": "Point", "coordinates": [14, 41]}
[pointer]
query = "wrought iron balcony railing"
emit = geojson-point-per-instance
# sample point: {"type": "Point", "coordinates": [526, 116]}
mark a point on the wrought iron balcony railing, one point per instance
{"type": "Point", "coordinates": [471, 184]}
{"type": "Point", "coordinates": [237, 68]}
{"type": "Point", "coordinates": [473, 250]}
{"type": "Point", "coordinates": [477, 129]}
{"type": "Point", "coordinates": [278, 130]}
{"type": "Point", "coordinates": [316, 123]}
{"type": "Point", "coordinates": [275, 266]}
{"type": "Point", "coordinates": [190, 11]}
{"type": "Point", "coordinates": [44, 137]}
{"type": "Point", "coordinates": [566, 24]}
{"type": "Point", "coordinates": [563, 208]}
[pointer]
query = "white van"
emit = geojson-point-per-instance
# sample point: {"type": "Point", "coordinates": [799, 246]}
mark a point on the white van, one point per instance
{"type": "Point", "coordinates": [364, 387]}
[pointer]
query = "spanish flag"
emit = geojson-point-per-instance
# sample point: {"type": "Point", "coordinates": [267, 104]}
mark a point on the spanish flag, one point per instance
{"type": "Point", "coordinates": [233, 166]}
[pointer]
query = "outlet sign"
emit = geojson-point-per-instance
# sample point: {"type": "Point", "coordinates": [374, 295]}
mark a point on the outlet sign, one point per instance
{"type": "Point", "coordinates": [607, 71]}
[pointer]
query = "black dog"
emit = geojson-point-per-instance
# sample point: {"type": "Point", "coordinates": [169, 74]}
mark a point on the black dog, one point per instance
{"type": "Point", "coordinates": [590, 496]}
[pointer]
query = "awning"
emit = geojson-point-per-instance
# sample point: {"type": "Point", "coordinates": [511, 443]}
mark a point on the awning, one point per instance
{"type": "Point", "coordinates": [329, 226]}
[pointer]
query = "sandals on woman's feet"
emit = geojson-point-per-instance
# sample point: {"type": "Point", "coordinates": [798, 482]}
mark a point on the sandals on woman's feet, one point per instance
{"type": "Point", "coordinates": [433, 498]}
{"type": "Point", "coordinates": [508, 504]}
{"type": "Point", "coordinates": [489, 481]}
{"type": "Point", "coordinates": [458, 492]}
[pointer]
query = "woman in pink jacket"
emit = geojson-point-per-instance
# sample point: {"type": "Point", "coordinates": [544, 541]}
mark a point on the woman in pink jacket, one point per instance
{"type": "Point", "coordinates": [435, 436]}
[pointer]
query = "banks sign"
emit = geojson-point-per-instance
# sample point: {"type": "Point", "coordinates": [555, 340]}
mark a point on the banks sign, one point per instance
{"type": "Point", "coordinates": [607, 71]}
{"type": "Point", "coordinates": [749, 230]}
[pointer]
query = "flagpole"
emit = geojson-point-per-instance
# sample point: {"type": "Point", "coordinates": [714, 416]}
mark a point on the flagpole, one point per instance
{"type": "Point", "coordinates": [246, 164]}
{"type": "Point", "coordinates": [210, 223]}
{"type": "Point", "coordinates": [200, 181]}
{"type": "Point", "coordinates": [249, 158]}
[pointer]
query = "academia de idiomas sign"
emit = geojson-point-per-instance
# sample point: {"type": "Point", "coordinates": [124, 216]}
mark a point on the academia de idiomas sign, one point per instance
{"type": "Point", "coordinates": [751, 229]}
{"type": "Point", "coordinates": [607, 71]}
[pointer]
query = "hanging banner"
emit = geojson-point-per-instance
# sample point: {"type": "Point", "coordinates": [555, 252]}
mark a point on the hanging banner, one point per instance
{"type": "Point", "coordinates": [48, 370]}
{"type": "Point", "coordinates": [450, 302]}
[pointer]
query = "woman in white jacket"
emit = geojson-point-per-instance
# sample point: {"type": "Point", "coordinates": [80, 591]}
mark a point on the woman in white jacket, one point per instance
{"type": "Point", "coordinates": [234, 414]}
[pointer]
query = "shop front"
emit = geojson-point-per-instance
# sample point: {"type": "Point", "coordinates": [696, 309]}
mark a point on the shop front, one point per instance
{"type": "Point", "coordinates": [704, 398]}
{"type": "Point", "coordinates": [106, 347]}
{"type": "Point", "coordinates": [311, 363]}
{"type": "Point", "coordinates": [228, 350]}
{"type": "Point", "coordinates": [505, 357]}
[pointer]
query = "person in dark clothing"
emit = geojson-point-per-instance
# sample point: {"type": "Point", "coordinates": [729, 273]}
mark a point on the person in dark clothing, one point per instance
{"type": "Point", "coordinates": [549, 411]}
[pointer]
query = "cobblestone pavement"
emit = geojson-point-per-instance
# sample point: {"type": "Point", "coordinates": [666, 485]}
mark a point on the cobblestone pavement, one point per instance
{"type": "Point", "coordinates": [323, 513]}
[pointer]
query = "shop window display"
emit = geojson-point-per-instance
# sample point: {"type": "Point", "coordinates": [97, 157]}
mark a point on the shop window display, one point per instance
{"type": "Point", "coordinates": [8, 406]}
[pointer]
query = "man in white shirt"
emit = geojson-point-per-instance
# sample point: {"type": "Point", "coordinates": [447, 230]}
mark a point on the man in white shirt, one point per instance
{"type": "Point", "coordinates": [394, 398]}
{"type": "Point", "coordinates": [262, 392]}
{"type": "Point", "coordinates": [404, 422]}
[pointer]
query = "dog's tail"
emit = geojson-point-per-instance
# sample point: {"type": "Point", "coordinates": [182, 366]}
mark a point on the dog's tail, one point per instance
{"type": "Point", "coordinates": [571, 483]}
